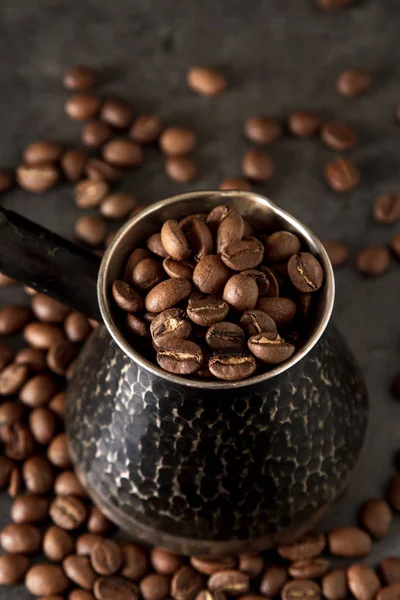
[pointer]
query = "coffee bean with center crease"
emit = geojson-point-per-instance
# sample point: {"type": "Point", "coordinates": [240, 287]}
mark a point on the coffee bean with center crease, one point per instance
{"type": "Point", "coordinates": [57, 543]}
{"type": "Point", "coordinates": [13, 568]}
{"type": "Point", "coordinates": [68, 512]}
{"type": "Point", "coordinates": [199, 238]}
{"type": "Point", "coordinates": [270, 348]}
{"type": "Point", "coordinates": [376, 517]}
{"type": "Point", "coordinates": [338, 136]}
{"type": "Point", "coordinates": [304, 123]}
{"type": "Point", "coordinates": [273, 579]}
{"type": "Point", "coordinates": [281, 310]}
{"type": "Point", "coordinates": [135, 563]}
{"type": "Point", "coordinates": [207, 311]}
{"type": "Point", "coordinates": [257, 165]}
{"type": "Point", "coordinates": [354, 82]}
{"type": "Point", "coordinates": [106, 557]}
{"type": "Point", "coordinates": [342, 175]}
{"type": "Point", "coordinates": [126, 297]}
{"type": "Point", "coordinates": [180, 357]}
{"type": "Point", "coordinates": [146, 129]}
{"type": "Point", "coordinates": [313, 568]}
{"type": "Point", "coordinates": [225, 335]}
{"type": "Point", "coordinates": [86, 542]}
{"type": "Point", "coordinates": [178, 269]}
{"type": "Point", "coordinates": [38, 475]}
{"type": "Point", "coordinates": [154, 586]}
{"type": "Point", "coordinates": [12, 378]}
{"type": "Point", "coordinates": [210, 274]}
{"type": "Point", "coordinates": [233, 583]}
{"type": "Point", "coordinates": [17, 439]}
{"type": "Point", "coordinates": [30, 508]}
{"type": "Point", "coordinates": [373, 261]}
{"type": "Point", "coordinates": [307, 547]}
{"type": "Point", "coordinates": [349, 542]}
{"type": "Point", "coordinates": [280, 246]}
{"type": "Point", "coordinates": [37, 179]}
{"type": "Point", "coordinates": [387, 208]}
{"type": "Point", "coordinates": [245, 254]}
{"type": "Point", "coordinates": [78, 569]}
{"type": "Point", "coordinates": [73, 163]}
{"type": "Point", "coordinates": [116, 113]}
{"type": "Point", "coordinates": [363, 582]}
{"type": "Point", "coordinates": [232, 364]}
{"type": "Point", "coordinates": [171, 324]}
{"type": "Point", "coordinates": [301, 590]}
{"type": "Point", "coordinates": [111, 588]}
{"type": "Point", "coordinates": [167, 294]}
{"type": "Point", "coordinates": [305, 272]}
{"type": "Point", "coordinates": [256, 321]}
{"type": "Point", "coordinates": [174, 240]}
{"type": "Point", "coordinates": [390, 569]}
{"type": "Point", "coordinates": [251, 563]}
{"type": "Point", "coordinates": [60, 356]}
{"type": "Point", "coordinates": [241, 292]}
{"type": "Point", "coordinates": [20, 538]}
{"type": "Point", "coordinates": [186, 583]}
{"type": "Point", "coordinates": [165, 562]}
{"type": "Point", "coordinates": [46, 580]}
{"type": "Point", "coordinates": [216, 215]}
{"type": "Point", "coordinates": [391, 592]}
{"type": "Point", "coordinates": [89, 193]}
{"type": "Point", "coordinates": [147, 274]}
{"type": "Point", "coordinates": [230, 229]}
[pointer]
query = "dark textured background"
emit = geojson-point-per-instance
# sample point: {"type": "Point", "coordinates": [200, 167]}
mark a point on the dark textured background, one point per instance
{"type": "Point", "coordinates": [278, 56]}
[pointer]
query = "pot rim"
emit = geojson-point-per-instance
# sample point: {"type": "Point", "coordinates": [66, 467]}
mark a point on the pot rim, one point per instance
{"type": "Point", "coordinates": [104, 285]}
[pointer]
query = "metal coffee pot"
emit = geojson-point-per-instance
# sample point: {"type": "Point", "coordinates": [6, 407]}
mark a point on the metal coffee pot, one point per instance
{"type": "Point", "coordinates": [199, 467]}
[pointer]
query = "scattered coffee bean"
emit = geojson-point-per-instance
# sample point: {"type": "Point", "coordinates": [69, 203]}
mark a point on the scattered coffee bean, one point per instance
{"type": "Point", "coordinates": [43, 424]}
{"type": "Point", "coordinates": [117, 206]}
{"type": "Point", "coordinates": [235, 183]}
{"type": "Point", "coordinates": [97, 522]}
{"type": "Point", "coordinates": [79, 78]}
{"type": "Point", "coordinates": [46, 580]}
{"type": "Point", "coordinates": [373, 261]}
{"type": "Point", "coordinates": [86, 542]}
{"type": "Point", "coordinates": [154, 587]}
{"type": "Point", "coordinates": [206, 81]}
{"type": "Point", "coordinates": [57, 404]}
{"type": "Point", "coordinates": [30, 508]}
{"type": "Point", "coordinates": [57, 544]}
{"type": "Point", "coordinates": [91, 229]}
{"type": "Point", "coordinates": [42, 335]}
{"type": "Point", "coordinates": [110, 588]}
{"type": "Point", "coordinates": [95, 133]}
{"type": "Point", "coordinates": [41, 153]}
{"type": "Point", "coordinates": [6, 180]}
{"type": "Point", "coordinates": [68, 512]}
{"type": "Point", "coordinates": [387, 208]}
{"type": "Point", "coordinates": [48, 310]}
{"type": "Point", "coordinates": [89, 193]}
{"type": "Point", "coordinates": [38, 390]}
{"type": "Point", "coordinates": [82, 106]}
{"type": "Point", "coordinates": [68, 484]}
{"type": "Point", "coordinates": [241, 292]}
{"type": "Point", "coordinates": [177, 141]}
{"type": "Point", "coordinates": [233, 583]}
{"type": "Point", "coordinates": [390, 570]}
{"type": "Point", "coordinates": [257, 165]}
{"type": "Point", "coordinates": [391, 592]}
{"type": "Point", "coordinates": [342, 175]}
{"type": "Point", "coordinates": [60, 357]}
{"type": "Point", "coordinates": [165, 562]}
{"type": "Point", "coordinates": [57, 452]}
{"type": "Point", "coordinates": [13, 568]}
{"type": "Point", "coordinates": [354, 82]}
{"type": "Point", "coordinates": [33, 358]}
{"type": "Point", "coordinates": [116, 113]}
{"type": "Point", "coordinates": [20, 538]}
{"type": "Point", "coordinates": [135, 564]}
{"type": "Point", "coordinates": [38, 475]}
{"type": "Point", "coordinates": [106, 558]}
{"type": "Point", "coordinates": [123, 153]}
{"type": "Point", "coordinates": [223, 335]}
{"type": "Point", "coordinates": [181, 169]}
{"type": "Point", "coordinates": [146, 129]}
{"type": "Point", "coordinates": [18, 442]}
{"type": "Point", "coordinates": [37, 179]}
{"type": "Point", "coordinates": [262, 130]}
{"type": "Point", "coordinates": [251, 564]}
{"type": "Point", "coordinates": [273, 580]}
{"type": "Point", "coordinates": [12, 378]}
{"type": "Point", "coordinates": [6, 281]}
{"type": "Point", "coordinates": [338, 136]}
{"type": "Point", "coordinates": [10, 412]}
{"type": "Point", "coordinates": [313, 568]}
{"type": "Point", "coordinates": [338, 253]}
{"type": "Point", "coordinates": [77, 327]}
{"type": "Point", "coordinates": [78, 570]}
{"type": "Point", "coordinates": [363, 582]}
{"type": "Point", "coordinates": [185, 584]}
{"type": "Point", "coordinates": [376, 517]}
{"type": "Point", "coordinates": [181, 357]}
{"type": "Point", "coordinates": [301, 590]}
{"type": "Point", "coordinates": [307, 547]}
{"type": "Point", "coordinates": [350, 542]}
{"type": "Point", "coordinates": [334, 585]}
{"type": "Point", "coordinates": [100, 170]}
{"type": "Point", "coordinates": [304, 123]}
{"type": "Point", "coordinates": [73, 164]}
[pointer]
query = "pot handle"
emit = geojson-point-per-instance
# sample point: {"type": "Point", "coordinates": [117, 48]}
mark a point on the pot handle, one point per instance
{"type": "Point", "coordinates": [49, 263]}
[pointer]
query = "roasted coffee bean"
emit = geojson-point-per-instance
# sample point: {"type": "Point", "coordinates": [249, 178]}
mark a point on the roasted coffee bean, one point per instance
{"type": "Point", "coordinates": [186, 221]}
{"type": "Point", "coordinates": [42, 335]}
{"type": "Point", "coordinates": [304, 123]}
{"type": "Point", "coordinates": [100, 170]}
{"type": "Point", "coordinates": [31, 508]}
{"type": "Point", "coordinates": [216, 215]}
{"type": "Point", "coordinates": [177, 269]}
{"type": "Point", "coordinates": [118, 205]}
{"type": "Point", "coordinates": [97, 522]}
{"type": "Point", "coordinates": [165, 562]}
{"type": "Point", "coordinates": [73, 164]}
{"type": "Point", "coordinates": [354, 82]}
{"type": "Point", "coordinates": [341, 174]}
{"type": "Point", "coordinates": [18, 442]}
{"type": "Point", "coordinates": [225, 335]}
{"type": "Point", "coordinates": [210, 274]}
{"type": "Point", "coordinates": [154, 244]}
{"type": "Point", "coordinates": [257, 165]}
{"type": "Point", "coordinates": [243, 255]}
{"type": "Point", "coordinates": [390, 570]}
{"type": "Point", "coordinates": [147, 274]}
{"type": "Point", "coordinates": [33, 358]}
{"type": "Point", "coordinates": [305, 272]}
{"type": "Point", "coordinates": [86, 542]}
{"type": "Point", "coordinates": [232, 364]}
{"type": "Point", "coordinates": [230, 229]}
{"type": "Point", "coordinates": [206, 81]}
{"type": "Point", "coordinates": [13, 568]}
{"type": "Point", "coordinates": [38, 390]}
{"type": "Point", "coordinates": [57, 544]}
{"type": "Point", "coordinates": [262, 130]}
{"type": "Point", "coordinates": [241, 292]}
{"type": "Point", "coordinates": [301, 590]}
{"type": "Point", "coordinates": [135, 258]}
{"type": "Point", "coordinates": [91, 229]}
{"type": "Point", "coordinates": [123, 153]}
{"type": "Point", "coordinates": [260, 278]}
{"type": "Point", "coordinates": [60, 356]}
{"type": "Point", "coordinates": [57, 404]}
{"type": "Point", "coordinates": [186, 583]}
{"type": "Point", "coordinates": [334, 585]}
{"type": "Point", "coordinates": [20, 538]}
{"type": "Point", "coordinates": [78, 570]}
{"type": "Point", "coordinates": [10, 412]}
{"type": "Point", "coordinates": [234, 183]}
{"type": "Point", "coordinates": [387, 208]}
{"type": "Point", "coordinates": [181, 357]}
{"type": "Point", "coordinates": [43, 424]}
{"type": "Point", "coordinates": [395, 246]}
{"type": "Point", "coordinates": [6, 355]}
{"type": "Point", "coordinates": [373, 261]}
{"type": "Point", "coordinates": [256, 321]}
{"type": "Point", "coordinates": [6, 180]}
{"type": "Point", "coordinates": [270, 348]}
{"type": "Point", "coordinates": [106, 557]}
{"type": "Point", "coordinates": [363, 582]}
{"type": "Point", "coordinates": [177, 141]}
{"type": "Point", "coordinates": [199, 238]}
{"type": "Point", "coordinates": [126, 297]}
{"type": "Point", "coordinates": [391, 592]}
{"type": "Point", "coordinates": [46, 580]}
{"type": "Point", "coordinates": [313, 568]}
{"type": "Point", "coordinates": [154, 587]}
{"type": "Point", "coordinates": [6, 281]}
{"type": "Point", "coordinates": [333, 4]}
{"type": "Point", "coordinates": [171, 324]}
{"type": "Point", "coordinates": [79, 78]}
{"type": "Point", "coordinates": [135, 564]}
{"type": "Point", "coordinates": [83, 106]}
{"type": "Point", "coordinates": [116, 113]}
{"type": "Point", "coordinates": [77, 327]}
{"type": "Point", "coordinates": [251, 564]}
{"type": "Point", "coordinates": [12, 378]}
{"type": "Point", "coordinates": [38, 475]}
{"type": "Point", "coordinates": [273, 580]}
{"type": "Point", "coordinates": [174, 240]}
{"type": "Point", "coordinates": [393, 492]}
{"type": "Point", "coordinates": [207, 311]}
{"type": "Point", "coordinates": [338, 136]}
{"type": "Point", "coordinates": [68, 484]}
{"type": "Point", "coordinates": [281, 310]}
{"type": "Point", "coordinates": [233, 583]}
{"type": "Point", "coordinates": [167, 294]}
{"type": "Point", "coordinates": [111, 588]}
{"type": "Point", "coordinates": [280, 246]}
{"type": "Point", "coordinates": [41, 153]}
{"type": "Point", "coordinates": [48, 310]}
{"type": "Point", "coordinates": [57, 452]}
{"type": "Point", "coordinates": [15, 482]}
{"type": "Point", "coordinates": [338, 253]}
{"type": "Point", "coordinates": [95, 133]}
{"type": "Point", "coordinates": [37, 179]}
{"type": "Point", "coordinates": [181, 169]}
{"type": "Point", "coordinates": [146, 129]}
{"type": "Point", "coordinates": [376, 517]}
{"type": "Point", "coordinates": [307, 547]}
{"type": "Point", "coordinates": [137, 326]}
{"type": "Point", "coordinates": [349, 541]}
{"type": "Point", "coordinates": [68, 512]}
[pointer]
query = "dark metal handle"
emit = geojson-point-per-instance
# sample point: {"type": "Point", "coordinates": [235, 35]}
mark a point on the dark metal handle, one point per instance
{"type": "Point", "coordinates": [49, 263]}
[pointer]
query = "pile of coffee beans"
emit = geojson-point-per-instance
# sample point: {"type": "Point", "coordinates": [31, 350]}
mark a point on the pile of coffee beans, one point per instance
{"type": "Point", "coordinates": [218, 298]}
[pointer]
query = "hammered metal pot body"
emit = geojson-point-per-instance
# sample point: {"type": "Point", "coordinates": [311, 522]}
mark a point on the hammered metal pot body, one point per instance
{"type": "Point", "coordinates": [211, 471]}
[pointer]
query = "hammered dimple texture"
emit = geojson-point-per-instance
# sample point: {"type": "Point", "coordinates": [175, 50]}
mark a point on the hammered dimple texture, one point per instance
{"type": "Point", "coordinates": [217, 465]}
